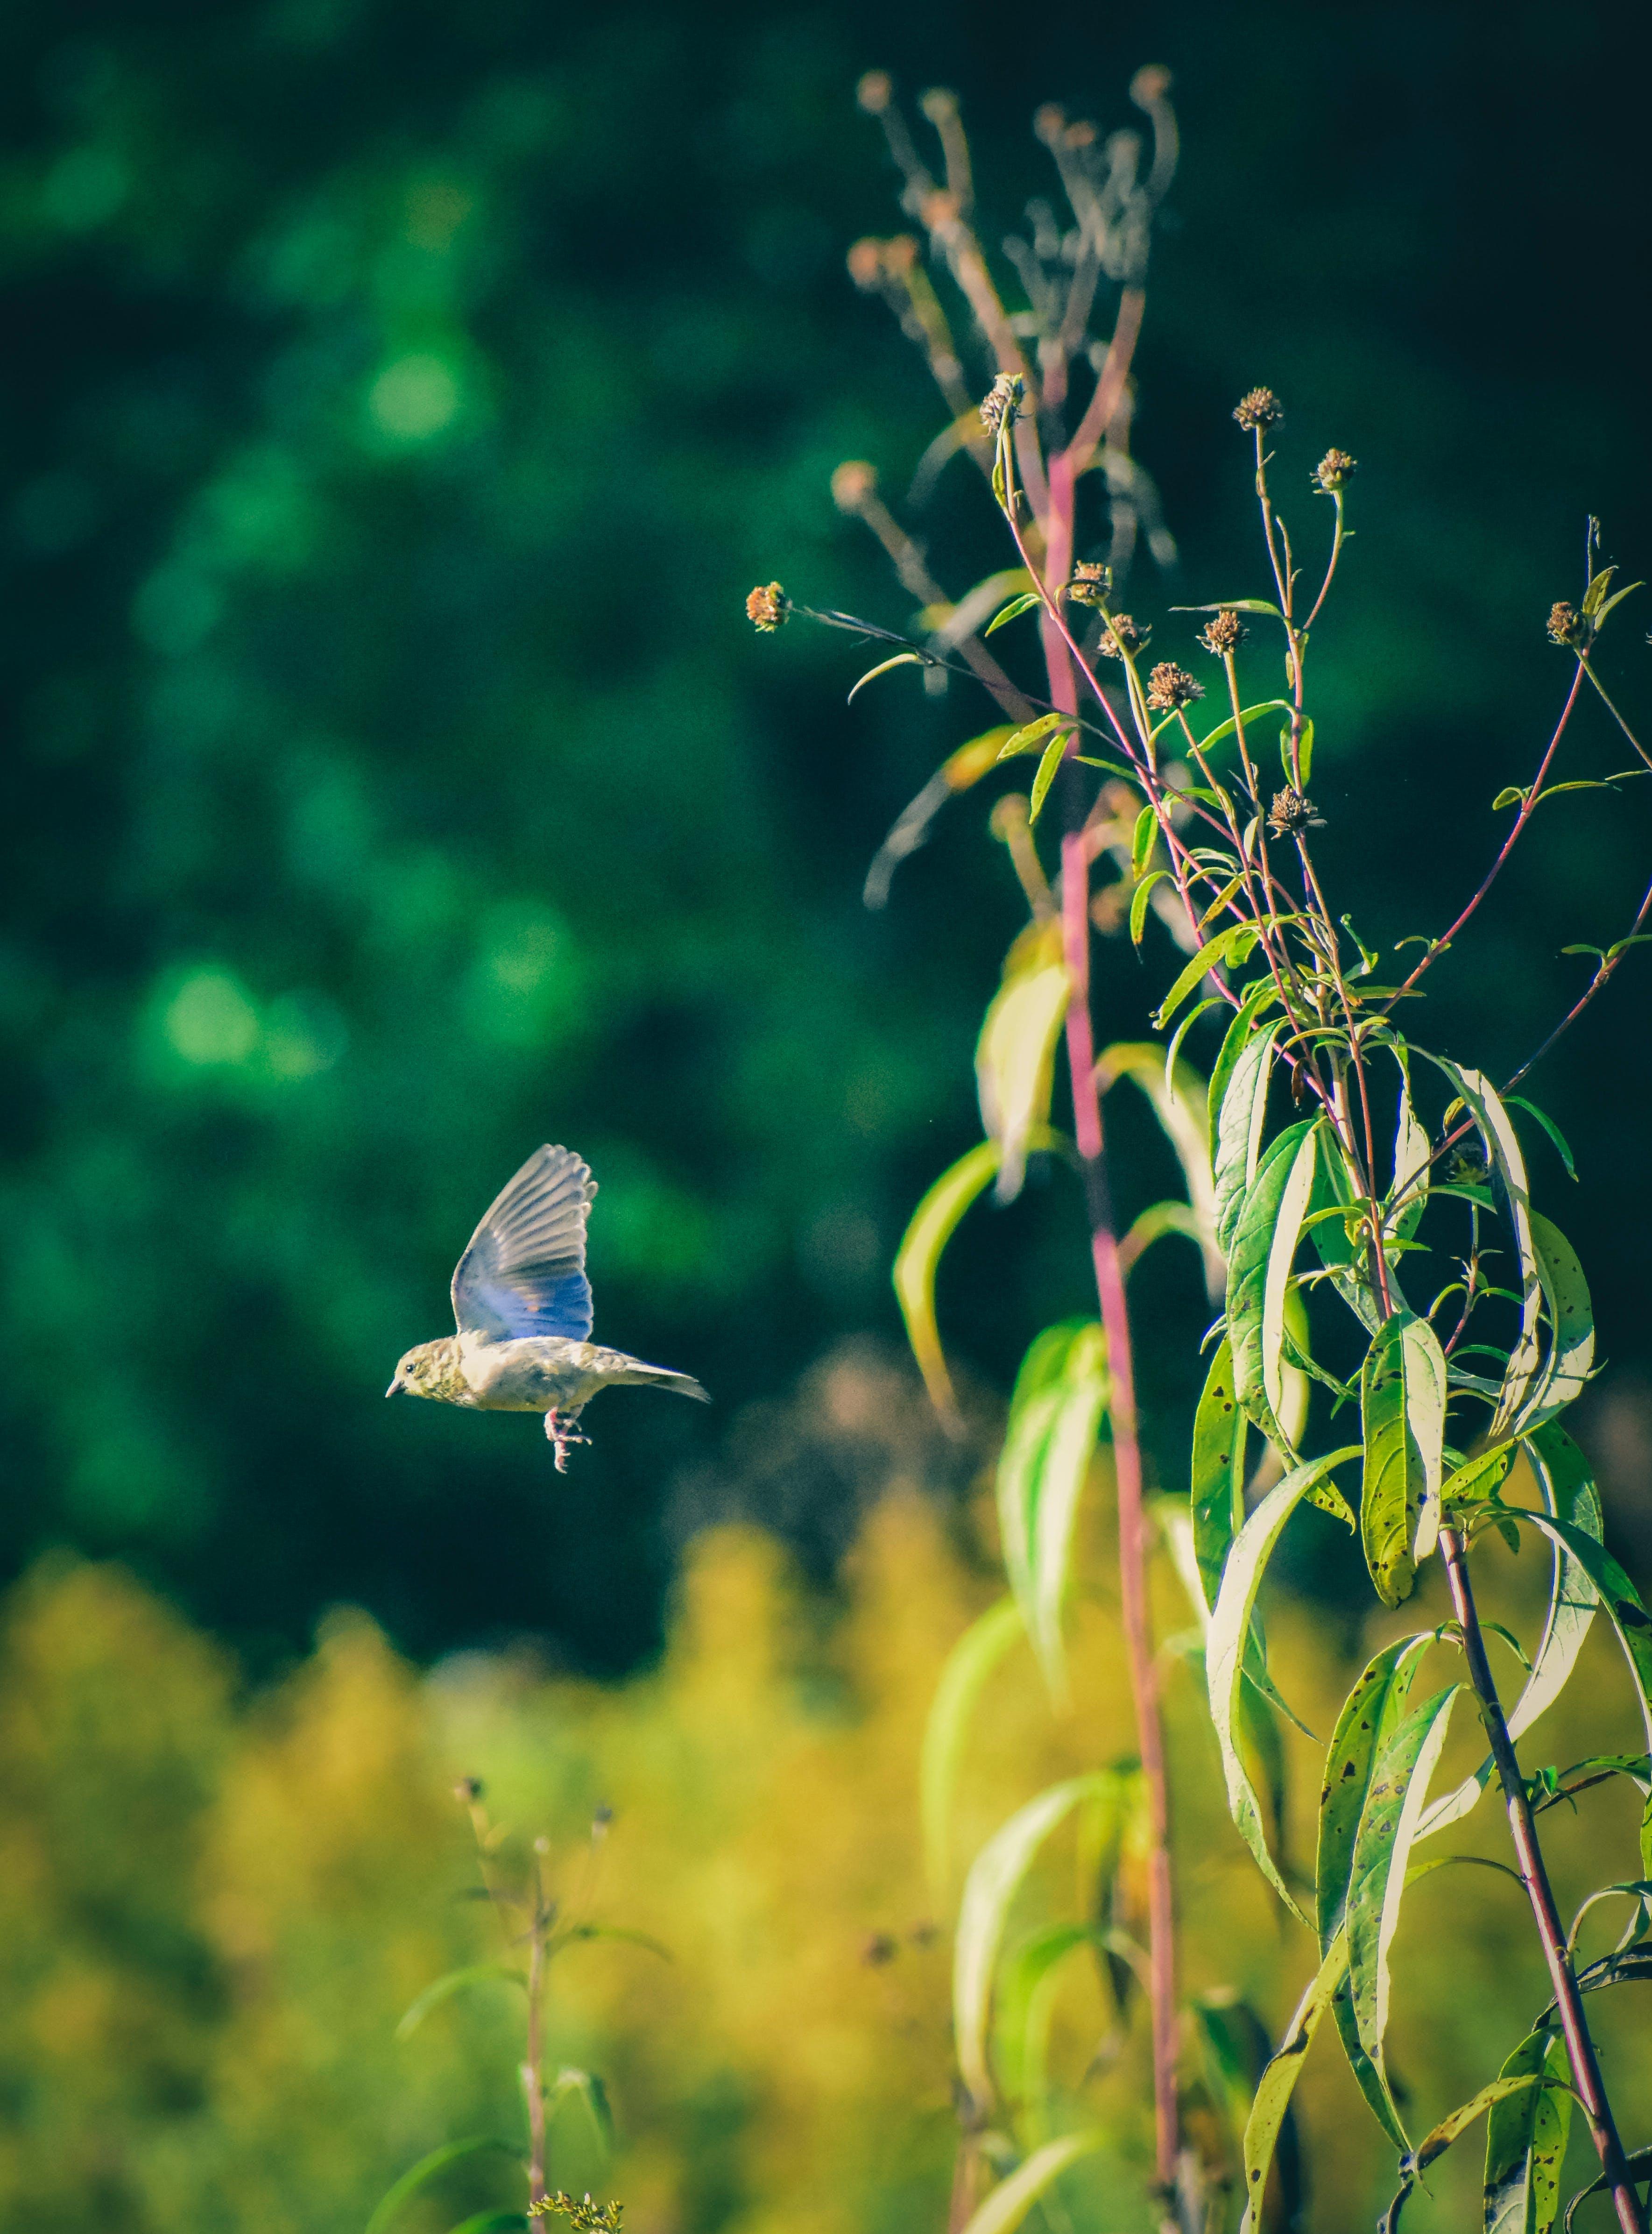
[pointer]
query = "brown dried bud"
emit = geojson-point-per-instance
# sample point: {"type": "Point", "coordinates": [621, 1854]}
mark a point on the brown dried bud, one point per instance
{"type": "Point", "coordinates": [1567, 626]}
{"type": "Point", "coordinates": [1292, 812]}
{"type": "Point", "coordinates": [1122, 634]}
{"type": "Point", "coordinates": [939, 104]}
{"type": "Point", "coordinates": [767, 607]}
{"type": "Point", "coordinates": [901, 253]}
{"type": "Point", "coordinates": [1332, 472]}
{"type": "Point", "coordinates": [1049, 123]}
{"type": "Point", "coordinates": [1257, 409]}
{"type": "Point", "coordinates": [1150, 85]}
{"type": "Point", "coordinates": [1079, 135]}
{"type": "Point", "coordinates": [1224, 633]}
{"type": "Point", "coordinates": [1091, 583]}
{"type": "Point", "coordinates": [853, 483]}
{"type": "Point", "coordinates": [866, 262]}
{"type": "Point", "coordinates": [1170, 688]}
{"type": "Point", "coordinates": [1001, 406]}
{"type": "Point", "coordinates": [875, 92]}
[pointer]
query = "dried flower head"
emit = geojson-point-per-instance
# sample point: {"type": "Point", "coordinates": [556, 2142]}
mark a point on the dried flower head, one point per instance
{"type": "Point", "coordinates": [1050, 121]}
{"type": "Point", "coordinates": [1568, 626]}
{"type": "Point", "coordinates": [1090, 584]}
{"type": "Point", "coordinates": [875, 92]}
{"type": "Point", "coordinates": [1170, 688]}
{"type": "Point", "coordinates": [1124, 635]}
{"type": "Point", "coordinates": [1150, 85]}
{"type": "Point", "coordinates": [939, 104]}
{"type": "Point", "coordinates": [866, 262]}
{"type": "Point", "coordinates": [1292, 812]}
{"type": "Point", "coordinates": [1001, 406]}
{"type": "Point", "coordinates": [767, 607]}
{"type": "Point", "coordinates": [853, 483]}
{"type": "Point", "coordinates": [1467, 1168]}
{"type": "Point", "coordinates": [1257, 409]}
{"type": "Point", "coordinates": [1332, 472]}
{"type": "Point", "coordinates": [1224, 633]}
{"type": "Point", "coordinates": [900, 254]}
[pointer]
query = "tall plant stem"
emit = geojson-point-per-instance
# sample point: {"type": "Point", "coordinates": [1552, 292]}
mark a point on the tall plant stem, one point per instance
{"type": "Point", "coordinates": [1585, 2066]}
{"type": "Point", "coordinates": [533, 2067]}
{"type": "Point", "coordinates": [1127, 1462]}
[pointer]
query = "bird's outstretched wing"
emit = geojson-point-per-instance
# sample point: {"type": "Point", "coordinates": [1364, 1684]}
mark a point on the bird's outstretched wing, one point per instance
{"type": "Point", "coordinates": [523, 1272]}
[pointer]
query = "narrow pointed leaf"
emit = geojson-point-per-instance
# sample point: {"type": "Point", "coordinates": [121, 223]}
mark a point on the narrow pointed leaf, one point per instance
{"type": "Point", "coordinates": [1566, 1369]}
{"type": "Point", "coordinates": [451, 1983]}
{"type": "Point", "coordinates": [1014, 609]}
{"type": "Point", "coordinates": [1225, 1648]}
{"type": "Point", "coordinates": [1029, 738]}
{"type": "Point", "coordinates": [1257, 998]}
{"type": "Point", "coordinates": [1218, 1495]}
{"type": "Point", "coordinates": [1055, 1417]}
{"type": "Point", "coordinates": [1345, 1259]}
{"type": "Point", "coordinates": [426, 2169]}
{"type": "Point", "coordinates": [1238, 1128]}
{"type": "Point", "coordinates": [1228, 950]}
{"type": "Point", "coordinates": [1138, 903]}
{"type": "Point", "coordinates": [1016, 1054]}
{"type": "Point", "coordinates": [1143, 839]}
{"type": "Point", "coordinates": [1563, 1147]}
{"type": "Point", "coordinates": [1402, 1409]}
{"type": "Point", "coordinates": [964, 1675]}
{"type": "Point", "coordinates": [1271, 2103]}
{"type": "Point", "coordinates": [1259, 1261]}
{"type": "Point", "coordinates": [1618, 1596]}
{"type": "Point", "coordinates": [1525, 2139]}
{"type": "Point", "coordinates": [917, 1260]}
{"type": "Point", "coordinates": [1054, 753]}
{"type": "Point", "coordinates": [1382, 1846]}
{"type": "Point", "coordinates": [1182, 1116]}
{"type": "Point", "coordinates": [901, 659]}
{"type": "Point", "coordinates": [1496, 1129]}
{"type": "Point", "coordinates": [995, 1876]}
{"type": "Point", "coordinates": [1410, 1154]}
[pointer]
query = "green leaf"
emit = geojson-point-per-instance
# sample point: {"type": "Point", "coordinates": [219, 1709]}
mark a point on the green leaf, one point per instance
{"type": "Point", "coordinates": [1014, 1058]}
{"type": "Point", "coordinates": [453, 1982]}
{"type": "Point", "coordinates": [995, 1876]}
{"type": "Point", "coordinates": [1448, 2131]}
{"type": "Point", "coordinates": [1343, 1258]}
{"type": "Point", "coordinates": [1393, 1808]}
{"type": "Point", "coordinates": [964, 1675]}
{"type": "Point", "coordinates": [1411, 1156]}
{"type": "Point", "coordinates": [1257, 996]}
{"type": "Point", "coordinates": [1031, 735]}
{"type": "Point", "coordinates": [1304, 753]}
{"type": "Point", "coordinates": [1525, 2139]}
{"type": "Point", "coordinates": [1013, 611]}
{"type": "Point", "coordinates": [1562, 1146]}
{"type": "Point", "coordinates": [1225, 1648]}
{"type": "Point", "coordinates": [1372, 1712]}
{"type": "Point", "coordinates": [1011, 2200]}
{"type": "Point", "coordinates": [1025, 2007]}
{"type": "Point", "coordinates": [1139, 900]}
{"type": "Point", "coordinates": [1225, 730]}
{"type": "Point", "coordinates": [1511, 795]}
{"type": "Point", "coordinates": [589, 2089]}
{"type": "Point", "coordinates": [917, 1260]}
{"type": "Point", "coordinates": [1240, 1125]}
{"type": "Point", "coordinates": [1277, 2084]}
{"type": "Point", "coordinates": [1402, 1408]}
{"type": "Point", "coordinates": [491, 2222]}
{"type": "Point", "coordinates": [1054, 754]}
{"type": "Point", "coordinates": [624, 1935]}
{"type": "Point", "coordinates": [1566, 1369]}
{"type": "Point", "coordinates": [901, 659]}
{"type": "Point", "coordinates": [1259, 1261]}
{"type": "Point", "coordinates": [1143, 840]}
{"type": "Point", "coordinates": [1217, 1496]}
{"type": "Point", "coordinates": [1234, 605]}
{"type": "Point", "coordinates": [1228, 949]}
{"type": "Point", "coordinates": [1496, 1129]}
{"type": "Point", "coordinates": [1055, 1417]}
{"type": "Point", "coordinates": [419, 2174]}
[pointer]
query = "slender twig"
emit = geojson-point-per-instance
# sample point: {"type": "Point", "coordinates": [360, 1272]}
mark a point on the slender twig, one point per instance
{"type": "Point", "coordinates": [533, 2073]}
{"type": "Point", "coordinates": [1585, 2066]}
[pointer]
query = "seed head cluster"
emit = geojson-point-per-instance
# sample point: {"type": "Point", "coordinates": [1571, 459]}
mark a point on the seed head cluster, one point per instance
{"type": "Point", "coordinates": [1170, 688]}
{"type": "Point", "coordinates": [584, 2217]}
{"type": "Point", "coordinates": [1257, 409]}
{"type": "Point", "coordinates": [1567, 626]}
{"type": "Point", "coordinates": [1292, 812]}
{"type": "Point", "coordinates": [1225, 633]}
{"type": "Point", "coordinates": [1124, 635]}
{"type": "Point", "coordinates": [1090, 584]}
{"type": "Point", "coordinates": [1001, 406]}
{"type": "Point", "coordinates": [767, 607]}
{"type": "Point", "coordinates": [1332, 472]}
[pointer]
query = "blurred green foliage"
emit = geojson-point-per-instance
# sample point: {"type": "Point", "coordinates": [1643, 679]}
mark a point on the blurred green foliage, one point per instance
{"type": "Point", "coordinates": [397, 404]}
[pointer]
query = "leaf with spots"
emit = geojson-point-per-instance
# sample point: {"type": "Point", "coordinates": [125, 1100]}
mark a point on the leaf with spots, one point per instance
{"type": "Point", "coordinates": [1402, 1407]}
{"type": "Point", "coordinates": [1382, 1846]}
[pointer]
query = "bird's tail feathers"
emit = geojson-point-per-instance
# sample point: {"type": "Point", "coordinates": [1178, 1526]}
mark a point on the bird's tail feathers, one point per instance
{"type": "Point", "coordinates": [659, 1376]}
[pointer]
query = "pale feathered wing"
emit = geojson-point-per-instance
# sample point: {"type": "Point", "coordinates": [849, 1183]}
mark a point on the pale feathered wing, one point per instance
{"type": "Point", "coordinates": [524, 1273]}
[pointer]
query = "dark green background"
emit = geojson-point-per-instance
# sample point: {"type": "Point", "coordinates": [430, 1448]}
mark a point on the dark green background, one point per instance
{"type": "Point", "coordinates": [397, 402]}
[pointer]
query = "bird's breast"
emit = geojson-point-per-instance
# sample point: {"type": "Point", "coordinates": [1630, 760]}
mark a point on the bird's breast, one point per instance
{"type": "Point", "coordinates": [529, 1376]}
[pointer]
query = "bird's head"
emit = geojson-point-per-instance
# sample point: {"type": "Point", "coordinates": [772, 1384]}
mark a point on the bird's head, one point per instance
{"type": "Point", "coordinates": [426, 1370]}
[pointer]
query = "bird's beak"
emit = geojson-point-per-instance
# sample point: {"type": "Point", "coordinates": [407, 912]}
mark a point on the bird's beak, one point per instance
{"type": "Point", "coordinates": [395, 1387]}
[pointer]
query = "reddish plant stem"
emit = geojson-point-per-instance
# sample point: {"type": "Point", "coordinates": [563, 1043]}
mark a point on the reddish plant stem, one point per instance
{"type": "Point", "coordinates": [1534, 1875]}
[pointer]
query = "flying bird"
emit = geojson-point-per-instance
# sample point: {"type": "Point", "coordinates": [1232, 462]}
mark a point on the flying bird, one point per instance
{"type": "Point", "coordinates": [522, 1306]}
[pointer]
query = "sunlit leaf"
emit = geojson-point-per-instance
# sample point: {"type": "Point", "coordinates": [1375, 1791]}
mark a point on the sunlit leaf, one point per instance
{"type": "Point", "coordinates": [1029, 738]}
{"type": "Point", "coordinates": [1525, 2139]}
{"type": "Point", "coordinates": [1271, 2105]}
{"type": "Point", "coordinates": [901, 659]}
{"type": "Point", "coordinates": [1143, 839]}
{"type": "Point", "coordinates": [1054, 753]}
{"type": "Point", "coordinates": [1225, 1648]}
{"type": "Point", "coordinates": [933, 1223]}
{"type": "Point", "coordinates": [995, 1876]}
{"type": "Point", "coordinates": [1259, 1261]}
{"type": "Point", "coordinates": [1338, 1241]}
{"type": "Point", "coordinates": [1233, 605]}
{"type": "Point", "coordinates": [1566, 1369]}
{"type": "Point", "coordinates": [1239, 1125]}
{"type": "Point", "coordinates": [1412, 1150]}
{"type": "Point", "coordinates": [1228, 950]}
{"type": "Point", "coordinates": [1024, 2005]}
{"type": "Point", "coordinates": [1055, 1417]}
{"type": "Point", "coordinates": [1450, 2129]}
{"type": "Point", "coordinates": [971, 1662]}
{"type": "Point", "coordinates": [1225, 730]}
{"type": "Point", "coordinates": [1182, 1113]}
{"type": "Point", "coordinates": [1015, 1055]}
{"type": "Point", "coordinates": [1257, 996]}
{"type": "Point", "coordinates": [1502, 1144]}
{"type": "Point", "coordinates": [1393, 1807]}
{"type": "Point", "coordinates": [1402, 1409]}
{"type": "Point", "coordinates": [1139, 900]}
{"type": "Point", "coordinates": [1013, 611]}
{"type": "Point", "coordinates": [421, 2174]}
{"type": "Point", "coordinates": [587, 2088]}
{"type": "Point", "coordinates": [1562, 1145]}
{"type": "Point", "coordinates": [1011, 2200]}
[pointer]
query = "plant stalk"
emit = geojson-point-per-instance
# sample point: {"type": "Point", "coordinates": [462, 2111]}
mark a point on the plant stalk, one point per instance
{"type": "Point", "coordinates": [533, 2068]}
{"type": "Point", "coordinates": [1585, 2065]}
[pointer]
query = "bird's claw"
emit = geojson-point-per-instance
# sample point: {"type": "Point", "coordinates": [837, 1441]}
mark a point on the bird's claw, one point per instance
{"type": "Point", "coordinates": [563, 1434]}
